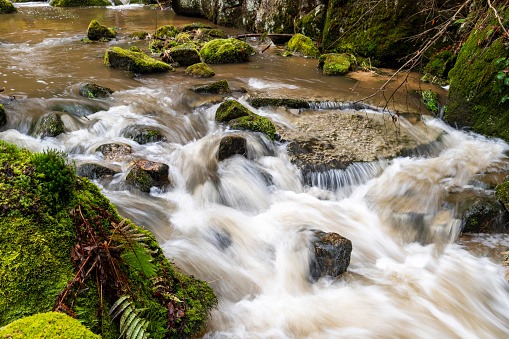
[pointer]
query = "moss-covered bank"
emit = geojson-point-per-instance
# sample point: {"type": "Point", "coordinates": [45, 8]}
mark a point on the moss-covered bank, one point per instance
{"type": "Point", "coordinates": [7, 7]}
{"type": "Point", "coordinates": [45, 210]}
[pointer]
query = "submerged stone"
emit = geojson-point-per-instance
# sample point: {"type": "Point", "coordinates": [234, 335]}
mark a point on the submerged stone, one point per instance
{"type": "Point", "coordinates": [146, 174]}
{"type": "Point", "coordinates": [137, 62]}
{"type": "Point", "coordinates": [165, 32]}
{"type": "Point", "coordinates": [218, 87]}
{"type": "Point", "coordinates": [332, 255]}
{"type": "Point", "coordinates": [3, 116]}
{"type": "Point", "coordinates": [267, 101]}
{"type": "Point", "coordinates": [231, 109]}
{"type": "Point", "coordinates": [230, 146]}
{"type": "Point", "coordinates": [141, 35]}
{"type": "Point", "coordinates": [195, 25]}
{"type": "Point", "coordinates": [254, 123]}
{"type": "Point", "coordinates": [50, 125]}
{"type": "Point", "coordinates": [223, 51]}
{"type": "Point", "coordinates": [7, 7]}
{"type": "Point", "coordinates": [94, 91]}
{"type": "Point", "coordinates": [97, 31]}
{"type": "Point", "coordinates": [334, 63]}
{"type": "Point", "coordinates": [303, 45]}
{"type": "Point", "coordinates": [75, 108]}
{"type": "Point", "coordinates": [94, 171]}
{"type": "Point", "coordinates": [482, 215]}
{"type": "Point", "coordinates": [185, 55]}
{"type": "Point", "coordinates": [200, 70]}
{"type": "Point", "coordinates": [114, 151]}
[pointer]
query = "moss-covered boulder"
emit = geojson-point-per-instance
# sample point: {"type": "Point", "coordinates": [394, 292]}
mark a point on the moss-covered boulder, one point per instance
{"type": "Point", "coordinates": [258, 102]}
{"type": "Point", "coordinates": [140, 35]}
{"type": "Point", "coordinates": [94, 91]}
{"type": "Point", "coordinates": [165, 32]}
{"type": "Point", "coordinates": [223, 51]}
{"type": "Point", "coordinates": [143, 134]}
{"type": "Point", "coordinates": [218, 87]}
{"type": "Point", "coordinates": [80, 3]}
{"type": "Point", "coordinates": [55, 230]}
{"type": "Point", "coordinates": [50, 125]}
{"type": "Point", "coordinates": [231, 109]}
{"type": "Point", "coordinates": [185, 55]}
{"type": "Point", "coordinates": [479, 90]}
{"type": "Point", "coordinates": [195, 25]}
{"type": "Point", "coordinates": [146, 174]}
{"type": "Point", "coordinates": [302, 45]}
{"type": "Point", "coordinates": [137, 62]}
{"type": "Point", "coordinates": [215, 33]}
{"type": "Point", "coordinates": [200, 70]}
{"type": "Point", "coordinates": [335, 64]}
{"type": "Point", "coordinates": [255, 123]}
{"type": "Point", "coordinates": [47, 325]}
{"type": "Point", "coordinates": [3, 116]}
{"type": "Point", "coordinates": [230, 146]}
{"type": "Point", "coordinates": [157, 46]}
{"type": "Point", "coordinates": [182, 38]}
{"type": "Point", "coordinates": [7, 7]}
{"type": "Point", "coordinates": [437, 69]}
{"type": "Point", "coordinates": [96, 31]}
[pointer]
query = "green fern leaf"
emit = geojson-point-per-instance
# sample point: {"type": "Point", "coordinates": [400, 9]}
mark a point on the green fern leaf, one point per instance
{"type": "Point", "coordinates": [128, 311]}
{"type": "Point", "coordinates": [117, 303]}
{"type": "Point", "coordinates": [139, 331]}
{"type": "Point", "coordinates": [138, 258]}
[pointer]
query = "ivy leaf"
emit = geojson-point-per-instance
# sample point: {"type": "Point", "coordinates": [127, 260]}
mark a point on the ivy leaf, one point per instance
{"type": "Point", "coordinates": [459, 21]}
{"type": "Point", "coordinates": [504, 99]}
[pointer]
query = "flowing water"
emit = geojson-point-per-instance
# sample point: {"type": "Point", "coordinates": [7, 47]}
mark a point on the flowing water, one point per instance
{"type": "Point", "coordinates": [245, 224]}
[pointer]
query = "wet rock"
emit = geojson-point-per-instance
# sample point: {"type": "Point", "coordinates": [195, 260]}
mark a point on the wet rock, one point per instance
{"type": "Point", "coordinates": [94, 91]}
{"type": "Point", "coordinates": [195, 25]}
{"type": "Point", "coordinates": [141, 35]}
{"type": "Point", "coordinates": [230, 146]}
{"type": "Point", "coordinates": [114, 151]}
{"type": "Point", "coordinates": [137, 62]}
{"type": "Point", "coordinates": [146, 174]}
{"type": "Point", "coordinates": [81, 3]}
{"type": "Point", "coordinates": [332, 255]}
{"type": "Point", "coordinates": [143, 135]}
{"type": "Point", "coordinates": [335, 64]}
{"type": "Point", "coordinates": [223, 51]}
{"type": "Point", "coordinates": [97, 32]}
{"type": "Point", "coordinates": [3, 116]}
{"type": "Point", "coordinates": [50, 125]}
{"type": "Point", "coordinates": [302, 45]}
{"type": "Point", "coordinates": [269, 101]}
{"type": "Point", "coordinates": [165, 32]}
{"type": "Point", "coordinates": [222, 239]}
{"type": "Point", "coordinates": [185, 55]}
{"type": "Point", "coordinates": [482, 215]}
{"type": "Point", "coordinates": [218, 87]}
{"type": "Point", "coordinates": [254, 123]}
{"type": "Point", "coordinates": [75, 108]}
{"type": "Point", "coordinates": [7, 7]}
{"type": "Point", "coordinates": [231, 109]}
{"type": "Point", "coordinates": [94, 171]}
{"type": "Point", "coordinates": [200, 70]}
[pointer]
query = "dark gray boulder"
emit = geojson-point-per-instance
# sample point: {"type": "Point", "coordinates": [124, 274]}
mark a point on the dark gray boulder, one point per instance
{"type": "Point", "coordinates": [332, 255]}
{"type": "Point", "coordinates": [230, 146]}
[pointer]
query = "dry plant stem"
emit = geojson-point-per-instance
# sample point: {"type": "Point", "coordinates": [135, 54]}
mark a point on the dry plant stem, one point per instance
{"type": "Point", "coordinates": [498, 17]}
{"type": "Point", "coordinates": [412, 61]}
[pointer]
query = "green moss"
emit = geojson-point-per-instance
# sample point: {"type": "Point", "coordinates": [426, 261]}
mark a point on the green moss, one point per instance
{"type": "Point", "coordinates": [182, 38]}
{"type": "Point", "coordinates": [287, 54]}
{"type": "Point", "coordinates": [254, 123]}
{"type": "Point", "coordinates": [79, 3]}
{"type": "Point", "coordinates": [137, 62]}
{"type": "Point", "coordinates": [440, 64]}
{"type": "Point", "coordinates": [47, 325]}
{"type": "Point", "coordinates": [290, 103]}
{"type": "Point", "coordinates": [200, 70]}
{"type": "Point", "coordinates": [195, 25]}
{"type": "Point", "coordinates": [141, 35]}
{"type": "Point", "coordinates": [231, 109]}
{"type": "Point", "coordinates": [97, 31]}
{"type": "Point", "coordinates": [50, 126]}
{"type": "Point", "coordinates": [157, 46]}
{"type": "Point", "coordinates": [223, 51]}
{"type": "Point", "coordinates": [185, 55]}
{"type": "Point", "coordinates": [218, 87]}
{"type": "Point", "coordinates": [43, 203]}
{"type": "Point", "coordinates": [313, 23]}
{"type": "Point", "coordinates": [430, 100]}
{"type": "Point", "coordinates": [3, 116]}
{"type": "Point", "coordinates": [216, 33]}
{"type": "Point", "coordinates": [140, 179]}
{"type": "Point", "coordinates": [94, 91]}
{"type": "Point", "coordinates": [473, 99]}
{"type": "Point", "coordinates": [335, 64]}
{"type": "Point", "coordinates": [303, 45]}
{"type": "Point", "coordinates": [502, 194]}
{"type": "Point", "coordinates": [7, 7]}
{"type": "Point", "coordinates": [165, 32]}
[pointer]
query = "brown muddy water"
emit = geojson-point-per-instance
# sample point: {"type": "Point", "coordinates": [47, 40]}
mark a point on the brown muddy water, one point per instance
{"type": "Point", "coordinates": [411, 274]}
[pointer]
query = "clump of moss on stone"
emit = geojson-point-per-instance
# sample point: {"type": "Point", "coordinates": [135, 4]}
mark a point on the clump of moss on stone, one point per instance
{"type": "Point", "coordinates": [200, 70]}
{"type": "Point", "coordinates": [335, 64]}
{"type": "Point", "coordinates": [218, 87]}
{"type": "Point", "coordinates": [97, 31]}
{"type": "Point", "coordinates": [182, 38]}
{"type": "Point", "coordinates": [7, 7]}
{"type": "Point", "coordinates": [502, 194]}
{"type": "Point", "coordinates": [79, 3]}
{"type": "Point", "coordinates": [47, 325]}
{"type": "Point", "coordinates": [216, 33]}
{"type": "Point", "coordinates": [254, 123]}
{"type": "Point", "coordinates": [94, 91]}
{"type": "Point", "coordinates": [223, 51]}
{"type": "Point", "coordinates": [141, 35]}
{"type": "Point", "coordinates": [137, 62]}
{"type": "Point", "coordinates": [231, 109]}
{"type": "Point", "coordinates": [165, 32]}
{"type": "Point", "coordinates": [303, 45]}
{"type": "Point", "coordinates": [185, 55]}
{"type": "Point", "coordinates": [3, 116]}
{"type": "Point", "coordinates": [290, 103]}
{"type": "Point", "coordinates": [194, 25]}
{"type": "Point", "coordinates": [50, 125]}
{"type": "Point", "coordinates": [437, 69]}
{"type": "Point", "coordinates": [157, 46]}
{"type": "Point", "coordinates": [430, 100]}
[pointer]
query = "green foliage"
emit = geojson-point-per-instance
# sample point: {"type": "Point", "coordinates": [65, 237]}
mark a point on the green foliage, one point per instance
{"type": "Point", "coordinates": [97, 31]}
{"type": "Point", "coordinates": [200, 70]}
{"type": "Point", "coordinates": [502, 78]}
{"type": "Point", "coordinates": [430, 100]}
{"type": "Point", "coordinates": [137, 62]}
{"type": "Point", "coordinates": [223, 51]}
{"type": "Point", "coordinates": [7, 7]}
{"type": "Point", "coordinates": [47, 325]}
{"type": "Point", "coordinates": [79, 3]}
{"type": "Point", "coordinates": [303, 45]}
{"type": "Point", "coordinates": [132, 325]}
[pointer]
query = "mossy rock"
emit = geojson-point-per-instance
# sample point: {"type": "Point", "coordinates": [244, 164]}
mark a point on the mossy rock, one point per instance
{"type": "Point", "coordinates": [47, 325]}
{"type": "Point", "coordinates": [430, 100]}
{"type": "Point", "coordinates": [224, 51]}
{"type": "Point", "coordinates": [165, 32]}
{"type": "Point", "coordinates": [185, 55]}
{"type": "Point", "coordinates": [147, 174]}
{"type": "Point", "coordinates": [42, 205]}
{"type": "Point", "coordinates": [97, 32]}
{"type": "Point", "coordinates": [218, 87]}
{"type": "Point", "coordinates": [195, 25]}
{"type": "Point", "coordinates": [200, 70]}
{"type": "Point", "coordinates": [7, 7]}
{"type": "Point", "coordinates": [143, 134]}
{"type": "Point", "coordinates": [290, 103]}
{"type": "Point", "coordinates": [3, 116]}
{"type": "Point", "coordinates": [481, 215]}
{"type": "Point", "coordinates": [334, 63]}
{"type": "Point", "coordinates": [94, 91]}
{"type": "Point", "coordinates": [182, 38]}
{"type": "Point", "coordinates": [114, 151]}
{"type": "Point", "coordinates": [140, 35]}
{"type": "Point", "coordinates": [303, 45]}
{"type": "Point", "coordinates": [157, 46]}
{"type": "Point", "coordinates": [80, 3]}
{"type": "Point", "coordinates": [231, 109]}
{"type": "Point", "coordinates": [287, 54]}
{"type": "Point", "coordinates": [502, 194]}
{"type": "Point", "coordinates": [254, 123]}
{"type": "Point", "coordinates": [137, 62]}
{"type": "Point", "coordinates": [216, 33]}
{"type": "Point", "coordinates": [439, 65]}
{"type": "Point", "coordinates": [50, 125]}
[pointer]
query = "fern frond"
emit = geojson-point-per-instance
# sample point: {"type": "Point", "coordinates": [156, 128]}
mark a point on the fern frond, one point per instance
{"type": "Point", "coordinates": [121, 304]}
{"type": "Point", "coordinates": [132, 326]}
{"type": "Point", "coordinates": [140, 259]}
